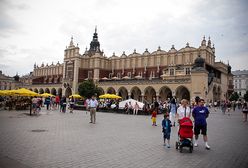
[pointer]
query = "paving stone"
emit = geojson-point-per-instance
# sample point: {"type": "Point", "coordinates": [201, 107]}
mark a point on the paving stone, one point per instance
{"type": "Point", "coordinates": [116, 140]}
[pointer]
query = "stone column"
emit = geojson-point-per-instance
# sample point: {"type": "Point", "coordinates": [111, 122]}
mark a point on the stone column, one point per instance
{"type": "Point", "coordinates": [75, 76]}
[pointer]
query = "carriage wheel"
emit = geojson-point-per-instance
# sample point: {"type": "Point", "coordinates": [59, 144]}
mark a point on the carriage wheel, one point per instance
{"type": "Point", "coordinates": [181, 149]}
{"type": "Point", "coordinates": [176, 145]}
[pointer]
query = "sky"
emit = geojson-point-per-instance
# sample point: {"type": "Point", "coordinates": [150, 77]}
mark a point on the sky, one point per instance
{"type": "Point", "coordinates": [38, 31]}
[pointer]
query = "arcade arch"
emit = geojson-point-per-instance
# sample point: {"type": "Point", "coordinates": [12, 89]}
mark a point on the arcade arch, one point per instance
{"type": "Point", "coordinates": [165, 93]}
{"type": "Point", "coordinates": [47, 90]}
{"type": "Point", "coordinates": [136, 93]}
{"type": "Point", "coordinates": [150, 94]}
{"type": "Point", "coordinates": [60, 92]}
{"type": "Point", "coordinates": [68, 92]}
{"type": "Point", "coordinates": [182, 93]}
{"type": "Point", "coordinates": [111, 90]}
{"type": "Point", "coordinates": [53, 91]}
{"type": "Point", "coordinates": [101, 91]}
{"type": "Point", "coordinates": [123, 93]}
{"type": "Point", "coordinates": [41, 91]}
{"type": "Point", "coordinates": [36, 90]}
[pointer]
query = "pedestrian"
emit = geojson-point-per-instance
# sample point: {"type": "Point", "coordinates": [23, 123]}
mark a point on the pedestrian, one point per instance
{"type": "Point", "coordinates": [57, 100]}
{"type": "Point", "coordinates": [130, 108]}
{"type": "Point", "coordinates": [154, 116]}
{"type": "Point", "coordinates": [34, 104]}
{"type": "Point", "coordinates": [200, 114]}
{"type": "Point", "coordinates": [245, 111]}
{"type": "Point", "coordinates": [136, 108]}
{"type": "Point", "coordinates": [48, 102]}
{"type": "Point", "coordinates": [173, 109]}
{"type": "Point", "coordinates": [228, 105]}
{"type": "Point", "coordinates": [166, 129]}
{"type": "Point", "coordinates": [71, 102]}
{"type": "Point", "coordinates": [63, 104]}
{"type": "Point", "coordinates": [126, 108]}
{"type": "Point", "coordinates": [223, 107]}
{"type": "Point", "coordinates": [93, 103]}
{"type": "Point", "coordinates": [183, 110]}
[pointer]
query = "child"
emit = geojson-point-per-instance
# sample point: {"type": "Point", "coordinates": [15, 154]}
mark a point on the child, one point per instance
{"type": "Point", "coordinates": [154, 116]}
{"type": "Point", "coordinates": [166, 126]}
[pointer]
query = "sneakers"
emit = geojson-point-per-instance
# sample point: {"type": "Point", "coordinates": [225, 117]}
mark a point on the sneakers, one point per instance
{"type": "Point", "coordinates": [195, 144]}
{"type": "Point", "coordinates": [168, 146]}
{"type": "Point", "coordinates": [207, 147]}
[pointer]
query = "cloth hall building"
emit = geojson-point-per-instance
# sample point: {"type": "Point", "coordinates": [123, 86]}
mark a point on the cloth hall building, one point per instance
{"type": "Point", "coordinates": [147, 76]}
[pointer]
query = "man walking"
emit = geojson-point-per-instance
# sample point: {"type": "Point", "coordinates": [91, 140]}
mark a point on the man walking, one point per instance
{"type": "Point", "coordinates": [200, 113]}
{"type": "Point", "coordinates": [93, 103]}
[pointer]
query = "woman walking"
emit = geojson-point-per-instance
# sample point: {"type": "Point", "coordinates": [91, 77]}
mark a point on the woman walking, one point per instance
{"type": "Point", "coordinates": [245, 111]}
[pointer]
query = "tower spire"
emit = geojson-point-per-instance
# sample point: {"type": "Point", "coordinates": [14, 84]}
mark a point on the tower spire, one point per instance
{"type": "Point", "coordinates": [94, 45]}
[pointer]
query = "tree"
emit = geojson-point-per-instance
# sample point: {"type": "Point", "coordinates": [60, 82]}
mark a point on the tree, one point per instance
{"type": "Point", "coordinates": [88, 88]}
{"type": "Point", "coordinates": [234, 96]}
{"type": "Point", "coordinates": [246, 96]}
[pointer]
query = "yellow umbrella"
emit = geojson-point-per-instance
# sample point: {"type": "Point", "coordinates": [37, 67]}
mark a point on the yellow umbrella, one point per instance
{"type": "Point", "coordinates": [109, 96]}
{"type": "Point", "coordinates": [22, 92]}
{"type": "Point", "coordinates": [4, 92]}
{"type": "Point", "coordinates": [77, 96]}
{"type": "Point", "coordinates": [47, 95]}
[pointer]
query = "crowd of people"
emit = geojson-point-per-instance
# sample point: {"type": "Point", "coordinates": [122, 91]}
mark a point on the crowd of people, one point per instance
{"type": "Point", "coordinates": [198, 111]}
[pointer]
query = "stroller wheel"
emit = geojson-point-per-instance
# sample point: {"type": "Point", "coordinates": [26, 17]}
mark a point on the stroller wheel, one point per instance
{"type": "Point", "coordinates": [190, 150]}
{"type": "Point", "coordinates": [176, 145]}
{"type": "Point", "coordinates": [180, 149]}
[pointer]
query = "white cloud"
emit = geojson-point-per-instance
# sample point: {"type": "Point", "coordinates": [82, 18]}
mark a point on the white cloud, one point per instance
{"type": "Point", "coordinates": [38, 31]}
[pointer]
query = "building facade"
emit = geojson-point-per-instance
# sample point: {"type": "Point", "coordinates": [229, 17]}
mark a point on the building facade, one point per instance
{"type": "Point", "coordinates": [147, 76]}
{"type": "Point", "coordinates": [240, 81]}
{"type": "Point", "coordinates": [8, 83]}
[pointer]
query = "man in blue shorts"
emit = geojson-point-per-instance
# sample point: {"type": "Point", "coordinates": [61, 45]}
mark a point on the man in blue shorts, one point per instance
{"type": "Point", "coordinates": [200, 113]}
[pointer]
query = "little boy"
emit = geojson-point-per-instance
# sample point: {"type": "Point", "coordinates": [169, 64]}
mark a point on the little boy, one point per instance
{"type": "Point", "coordinates": [166, 126]}
{"type": "Point", "coordinates": [154, 116]}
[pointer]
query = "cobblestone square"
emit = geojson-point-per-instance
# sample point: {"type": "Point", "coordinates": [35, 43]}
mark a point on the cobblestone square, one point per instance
{"type": "Point", "coordinates": [54, 139]}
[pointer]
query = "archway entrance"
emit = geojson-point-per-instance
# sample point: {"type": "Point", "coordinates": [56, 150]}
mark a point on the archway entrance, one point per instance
{"type": "Point", "coordinates": [68, 92]}
{"type": "Point", "coordinates": [150, 94]}
{"type": "Point", "coordinates": [41, 91]}
{"type": "Point", "coordinates": [47, 90]}
{"type": "Point", "coordinates": [165, 93]}
{"type": "Point", "coordinates": [182, 93]}
{"type": "Point", "coordinates": [111, 90]}
{"type": "Point", "coordinates": [136, 93]}
{"type": "Point", "coordinates": [123, 93]}
{"type": "Point", "coordinates": [101, 91]}
{"type": "Point", "coordinates": [53, 91]}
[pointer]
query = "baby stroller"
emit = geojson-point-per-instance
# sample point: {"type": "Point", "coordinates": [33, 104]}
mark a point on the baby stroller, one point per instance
{"type": "Point", "coordinates": [185, 134]}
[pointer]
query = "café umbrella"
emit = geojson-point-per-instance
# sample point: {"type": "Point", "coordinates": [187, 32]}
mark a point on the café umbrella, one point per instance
{"type": "Point", "coordinates": [76, 96]}
{"type": "Point", "coordinates": [47, 95]}
{"type": "Point", "coordinates": [109, 96]}
{"type": "Point", "coordinates": [22, 92]}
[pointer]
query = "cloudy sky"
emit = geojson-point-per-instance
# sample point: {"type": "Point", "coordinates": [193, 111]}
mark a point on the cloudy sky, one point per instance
{"type": "Point", "coordinates": [36, 31]}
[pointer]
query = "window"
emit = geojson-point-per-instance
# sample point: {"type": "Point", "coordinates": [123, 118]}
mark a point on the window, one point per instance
{"type": "Point", "coordinates": [172, 72]}
{"type": "Point", "coordinates": [152, 75]}
{"type": "Point", "coordinates": [110, 75]}
{"type": "Point", "coordinates": [129, 74]}
{"type": "Point", "coordinates": [90, 75]}
{"type": "Point", "coordinates": [119, 75]}
{"type": "Point", "coordinates": [187, 71]}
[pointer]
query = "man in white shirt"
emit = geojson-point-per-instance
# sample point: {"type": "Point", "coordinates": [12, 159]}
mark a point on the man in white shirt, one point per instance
{"type": "Point", "coordinates": [93, 103]}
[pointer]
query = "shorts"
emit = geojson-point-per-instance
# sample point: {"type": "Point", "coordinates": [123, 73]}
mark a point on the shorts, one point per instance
{"type": "Point", "coordinates": [166, 135]}
{"type": "Point", "coordinates": [200, 129]}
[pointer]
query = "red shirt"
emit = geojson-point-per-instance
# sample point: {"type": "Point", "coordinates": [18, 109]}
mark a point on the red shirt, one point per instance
{"type": "Point", "coordinates": [154, 114]}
